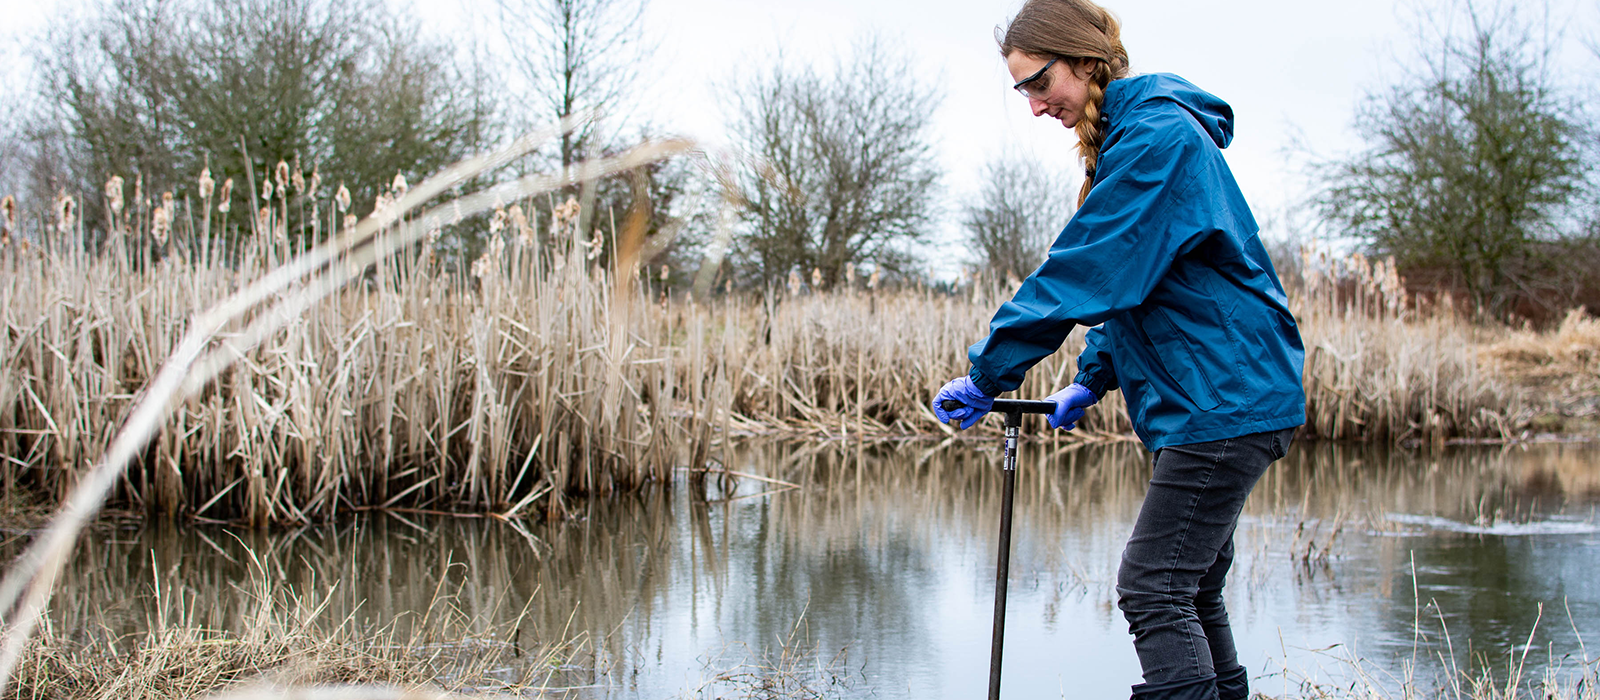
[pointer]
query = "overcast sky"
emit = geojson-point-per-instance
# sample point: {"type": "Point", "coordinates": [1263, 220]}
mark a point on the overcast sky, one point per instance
{"type": "Point", "coordinates": [1290, 69]}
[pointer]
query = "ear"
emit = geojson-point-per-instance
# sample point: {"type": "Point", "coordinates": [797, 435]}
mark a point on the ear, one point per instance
{"type": "Point", "coordinates": [1084, 68]}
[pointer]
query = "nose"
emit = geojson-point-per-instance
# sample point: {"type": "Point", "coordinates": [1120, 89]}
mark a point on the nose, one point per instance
{"type": "Point", "coordinates": [1038, 106]}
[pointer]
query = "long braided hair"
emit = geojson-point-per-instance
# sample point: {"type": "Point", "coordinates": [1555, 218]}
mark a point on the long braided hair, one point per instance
{"type": "Point", "coordinates": [1078, 30]}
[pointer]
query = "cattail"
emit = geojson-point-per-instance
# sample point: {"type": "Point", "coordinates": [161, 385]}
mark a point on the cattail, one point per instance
{"type": "Point", "coordinates": [564, 218]}
{"type": "Point", "coordinates": [794, 282]}
{"type": "Point", "coordinates": [138, 189]}
{"type": "Point", "coordinates": [850, 275]}
{"type": "Point", "coordinates": [206, 184]}
{"type": "Point", "coordinates": [666, 272]}
{"type": "Point", "coordinates": [282, 173]}
{"type": "Point", "coordinates": [498, 221]}
{"type": "Point", "coordinates": [727, 287]}
{"type": "Point", "coordinates": [816, 278]}
{"type": "Point", "coordinates": [315, 183]}
{"type": "Point", "coordinates": [8, 219]}
{"type": "Point", "coordinates": [342, 198]}
{"type": "Point", "coordinates": [160, 223]}
{"type": "Point", "coordinates": [66, 213]}
{"type": "Point", "coordinates": [872, 282]}
{"type": "Point", "coordinates": [266, 191]}
{"type": "Point", "coordinates": [226, 196]}
{"type": "Point", "coordinates": [297, 180]}
{"type": "Point", "coordinates": [520, 220]}
{"type": "Point", "coordinates": [264, 221]}
{"type": "Point", "coordinates": [114, 194]}
{"type": "Point", "coordinates": [399, 186]}
{"type": "Point", "coordinates": [350, 223]}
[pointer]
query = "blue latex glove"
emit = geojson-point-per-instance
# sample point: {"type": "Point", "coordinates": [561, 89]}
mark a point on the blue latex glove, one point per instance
{"type": "Point", "coordinates": [974, 404]}
{"type": "Point", "coordinates": [1070, 404]}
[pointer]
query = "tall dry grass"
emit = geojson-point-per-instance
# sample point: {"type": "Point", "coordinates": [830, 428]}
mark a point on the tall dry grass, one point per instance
{"type": "Point", "coordinates": [541, 374]}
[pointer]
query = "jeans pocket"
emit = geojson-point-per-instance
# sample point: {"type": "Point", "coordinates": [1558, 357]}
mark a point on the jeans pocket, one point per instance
{"type": "Point", "coordinates": [1280, 443]}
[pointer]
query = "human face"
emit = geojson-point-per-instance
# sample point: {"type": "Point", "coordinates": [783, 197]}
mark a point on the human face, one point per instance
{"type": "Point", "coordinates": [1061, 92]}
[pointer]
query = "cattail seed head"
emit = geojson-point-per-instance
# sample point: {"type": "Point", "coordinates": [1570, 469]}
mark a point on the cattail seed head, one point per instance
{"type": "Point", "coordinates": [794, 282]}
{"type": "Point", "coordinates": [160, 224]}
{"type": "Point", "coordinates": [315, 183]}
{"type": "Point", "coordinates": [520, 221]}
{"type": "Point", "coordinates": [282, 174]}
{"type": "Point", "coordinates": [264, 221]}
{"type": "Point", "coordinates": [498, 221]}
{"type": "Point", "coordinates": [665, 272]}
{"type": "Point", "coordinates": [266, 191]}
{"type": "Point", "coordinates": [350, 223]}
{"type": "Point", "coordinates": [816, 278]}
{"type": "Point", "coordinates": [342, 198]}
{"type": "Point", "coordinates": [399, 185]}
{"type": "Point", "coordinates": [226, 196]}
{"type": "Point", "coordinates": [8, 215]}
{"type": "Point", "coordinates": [66, 213]}
{"type": "Point", "coordinates": [206, 184]}
{"type": "Point", "coordinates": [297, 180]}
{"type": "Point", "coordinates": [114, 194]}
{"type": "Point", "coordinates": [872, 282]}
{"type": "Point", "coordinates": [564, 218]}
{"type": "Point", "coordinates": [850, 275]}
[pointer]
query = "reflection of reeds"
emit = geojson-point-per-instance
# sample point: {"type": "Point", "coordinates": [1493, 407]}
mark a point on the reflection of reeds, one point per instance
{"type": "Point", "coordinates": [283, 634]}
{"type": "Point", "coordinates": [856, 547]}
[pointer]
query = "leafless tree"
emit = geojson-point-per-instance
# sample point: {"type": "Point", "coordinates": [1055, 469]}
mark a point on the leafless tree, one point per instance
{"type": "Point", "coordinates": [1021, 207]}
{"type": "Point", "coordinates": [576, 57]}
{"type": "Point", "coordinates": [158, 89]}
{"type": "Point", "coordinates": [843, 169]}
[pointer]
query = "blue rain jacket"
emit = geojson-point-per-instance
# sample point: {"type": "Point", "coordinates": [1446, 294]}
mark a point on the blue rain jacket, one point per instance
{"type": "Point", "coordinates": [1163, 258]}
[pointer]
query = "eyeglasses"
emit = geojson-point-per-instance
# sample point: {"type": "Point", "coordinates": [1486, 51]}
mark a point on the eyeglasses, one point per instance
{"type": "Point", "coordinates": [1035, 92]}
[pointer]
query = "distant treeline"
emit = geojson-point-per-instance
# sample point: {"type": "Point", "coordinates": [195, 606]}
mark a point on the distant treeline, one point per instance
{"type": "Point", "coordinates": [1477, 177]}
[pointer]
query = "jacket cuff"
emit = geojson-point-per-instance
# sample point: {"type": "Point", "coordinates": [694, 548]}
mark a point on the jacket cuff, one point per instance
{"type": "Point", "coordinates": [1092, 383]}
{"type": "Point", "coordinates": [984, 384]}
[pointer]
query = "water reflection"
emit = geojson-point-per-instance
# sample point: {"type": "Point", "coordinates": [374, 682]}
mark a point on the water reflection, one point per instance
{"type": "Point", "coordinates": [885, 553]}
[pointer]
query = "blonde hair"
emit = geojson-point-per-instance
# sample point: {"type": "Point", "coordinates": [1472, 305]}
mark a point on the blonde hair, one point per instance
{"type": "Point", "coordinates": [1078, 30]}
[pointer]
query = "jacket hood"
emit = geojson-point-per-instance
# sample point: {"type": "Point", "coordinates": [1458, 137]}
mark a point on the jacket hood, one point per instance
{"type": "Point", "coordinates": [1214, 115]}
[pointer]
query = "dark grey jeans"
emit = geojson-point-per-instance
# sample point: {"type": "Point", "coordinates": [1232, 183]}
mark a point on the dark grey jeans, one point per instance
{"type": "Point", "coordinates": [1170, 584]}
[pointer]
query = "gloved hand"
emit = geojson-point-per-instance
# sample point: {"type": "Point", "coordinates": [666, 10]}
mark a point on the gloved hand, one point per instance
{"type": "Point", "coordinates": [974, 403]}
{"type": "Point", "coordinates": [1070, 404]}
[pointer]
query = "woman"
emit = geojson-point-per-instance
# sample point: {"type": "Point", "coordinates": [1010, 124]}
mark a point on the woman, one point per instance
{"type": "Point", "coordinates": [1189, 321]}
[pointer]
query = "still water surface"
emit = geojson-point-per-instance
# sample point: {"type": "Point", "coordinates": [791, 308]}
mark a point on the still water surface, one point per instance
{"type": "Point", "coordinates": [874, 578]}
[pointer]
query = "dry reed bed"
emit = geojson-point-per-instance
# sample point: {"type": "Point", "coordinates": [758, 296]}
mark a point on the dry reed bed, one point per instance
{"type": "Point", "coordinates": [540, 375]}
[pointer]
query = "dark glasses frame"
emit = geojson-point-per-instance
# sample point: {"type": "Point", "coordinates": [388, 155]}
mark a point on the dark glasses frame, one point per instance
{"type": "Point", "coordinates": [1022, 85]}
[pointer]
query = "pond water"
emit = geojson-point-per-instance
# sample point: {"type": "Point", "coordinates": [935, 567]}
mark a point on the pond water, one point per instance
{"type": "Point", "coordinates": [874, 577]}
